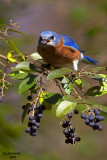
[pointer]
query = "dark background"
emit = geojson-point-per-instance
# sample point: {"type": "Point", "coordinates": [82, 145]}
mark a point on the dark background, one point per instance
{"type": "Point", "coordinates": [86, 22]}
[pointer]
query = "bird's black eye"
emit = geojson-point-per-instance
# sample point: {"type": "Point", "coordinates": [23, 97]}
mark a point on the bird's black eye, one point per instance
{"type": "Point", "coordinates": [41, 38]}
{"type": "Point", "coordinates": [52, 37]}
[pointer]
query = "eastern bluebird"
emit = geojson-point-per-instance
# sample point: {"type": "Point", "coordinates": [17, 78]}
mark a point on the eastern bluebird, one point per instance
{"type": "Point", "coordinates": [60, 50]}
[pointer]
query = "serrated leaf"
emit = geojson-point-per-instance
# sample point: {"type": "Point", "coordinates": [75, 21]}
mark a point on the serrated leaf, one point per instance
{"type": "Point", "coordinates": [52, 98]}
{"type": "Point", "coordinates": [96, 91]}
{"type": "Point", "coordinates": [64, 108]}
{"type": "Point", "coordinates": [9, 57]}
{"type": "Point", "coordinates": [25, 111]}
{"type": "Point", "coordinates": [15, 48]}
{"type": "Point", "coordinates": [57, 73]}
{"type": "Point", "coordinates": [27, 83]}
{"type": "Point", "coordinates": [78, 82]}
{"type": "Point", "coordinates": [36, 56]}
{"type": "Point", "coordinates": [25, 65]}
{"type": "Point", "coordinates": [67, 85]}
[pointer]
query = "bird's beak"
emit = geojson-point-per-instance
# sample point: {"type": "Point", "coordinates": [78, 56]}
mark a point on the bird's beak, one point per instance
{"type": "Point", "coordinates": [45, 41]}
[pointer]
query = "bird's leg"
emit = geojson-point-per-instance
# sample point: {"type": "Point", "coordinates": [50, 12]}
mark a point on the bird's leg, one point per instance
{"type": "Point", "coordinates": [75, 65]}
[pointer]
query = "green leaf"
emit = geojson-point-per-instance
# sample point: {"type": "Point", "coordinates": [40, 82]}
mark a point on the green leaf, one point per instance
{"type": "Point", "coordinates": [27, 83]}
{"type": "Point", "coordinates": [36, 56]}
{"type": "Point", "coordinates": [103, 108]}
{"type": "Point", "coordinates": [52, 98]}
{"type": "Point", "coordinates": [9, 57]}
{"type": "Point", "coordinates": [15, 48]}
{"type": "Point", "coordinates": [92, 75]}
{"type": "Point", "coordinates": [25, 65]}
{"type": "Point", "coordinates": [85, 83]}
{"type": "Point", "coordinates": [68, 98]}
{"type": "Point", "coordinates": [34, 88]}
{"type": "Point", "coordinates": [97, 69]}
{"type": "Point", "coordinates": [25, 112]}
{"type": "Point", "coordinates": [58, 73]}
{"type": "Point", "coordinates": [96, 91]}
{"type": "Point", "coordinates": [64, 108]}
{"type": "Point", "coordinates": [20, 76]}
{"type": "Point", "coordinates": [67, 85]}
{"type": "Point", "coordinates": [12, 30]}
{"type": "Point", "coordinates": [78, 82]}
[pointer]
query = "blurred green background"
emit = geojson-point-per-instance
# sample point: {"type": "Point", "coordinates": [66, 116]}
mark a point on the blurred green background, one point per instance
{"type": "Point", "coordinates": [86, 22]}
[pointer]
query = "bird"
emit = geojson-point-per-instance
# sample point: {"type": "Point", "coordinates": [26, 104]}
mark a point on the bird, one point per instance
{"type": "Point", "coordinates": [60, 50]}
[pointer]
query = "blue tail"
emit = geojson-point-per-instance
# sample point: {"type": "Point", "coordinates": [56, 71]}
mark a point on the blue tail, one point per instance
{"type": "Point", "coordinates": [89, 60]}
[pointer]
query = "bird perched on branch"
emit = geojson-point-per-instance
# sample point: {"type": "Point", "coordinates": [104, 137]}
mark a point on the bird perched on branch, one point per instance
{"type": "Point", "coordinates": [60, 50]}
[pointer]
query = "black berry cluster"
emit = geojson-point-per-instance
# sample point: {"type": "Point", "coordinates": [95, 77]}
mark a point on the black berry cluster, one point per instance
{"type": "Point", "coordinates": [35, 114]}
{"type": "Point", "coordinates": [0, 94]}
{"type": "Point", "coordinates": [69, 130]}
{"type": "Point", "coordinates": [93, 118]}
{"type": "Point", "coordinates": [34, 119]}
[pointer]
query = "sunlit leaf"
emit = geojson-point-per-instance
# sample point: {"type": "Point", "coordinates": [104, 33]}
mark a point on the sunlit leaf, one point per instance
{"type": "Point", "coordinates": [67, 85]}
{"type": "Point", "coordinates": [36, 56]}
{"type": "Point", "coordinates": [85, 83]}
{"type": "Point", "coordinates": [9, 57]}
{"type": "Point", "coordinates": [42, 101]}
{"type": "Point", "coordinates": [64, 108]}
{"type": "Point", "coordinates": [25, 65]}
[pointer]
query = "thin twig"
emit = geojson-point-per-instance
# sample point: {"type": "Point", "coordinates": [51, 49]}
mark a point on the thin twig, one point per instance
{"type": "Point", "coordinates": [59, 87]}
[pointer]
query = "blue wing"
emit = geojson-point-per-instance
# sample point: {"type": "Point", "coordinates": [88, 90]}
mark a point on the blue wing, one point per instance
{"type": "Point", "coordinates": [69, 42]}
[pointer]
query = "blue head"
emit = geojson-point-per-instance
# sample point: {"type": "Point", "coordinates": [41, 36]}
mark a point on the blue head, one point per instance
{"type": "Point", "coordinates": [48, 38]}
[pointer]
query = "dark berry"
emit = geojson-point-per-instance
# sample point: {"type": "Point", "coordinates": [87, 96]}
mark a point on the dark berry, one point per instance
{"type": "Point", "coordinates": [37, 106]}
{"type": "Point", "coordinates": [33, 122]}
{"type": "Point", "coordinates": [40, 110]}
{"type": "Point", "coordinates": [33, 133]}
{"type": "Point", "coordinates": [95, 127]}
{"type": "Point", "coordinates": [37, 124]}
{"type": "Point", "coordinates": [101, 118]}
{"type": "Point", "coordinates": [43, 107]}
{"type": "Point", "coordinates": [69, 123]}
{"type": "Point", "coordinates": [27, 130]}
{"type": "Point", "coordinates": [69, 115]}
{"type": "Point", "coordinates": [72, 135]}
{"type": "Point", "coordinates": [30, 117]}
{"type": "Point", "coordinates": [29, 98]}
{"type": "Point", "coordinates": [65, 124]}
{"type": "Point", "coordinates": [87, 121]}
{"type": "Point", "coordinates": [65, 131]}
{"type": "Point", "coordinates": [97, 124]}
{"type": "Point", "coordinates": [34, 128]}
{"type": "Point", "coordinates": [91, 117]}
{"type": "Point", "coordinates": [100, 128]}
{"type": "Point", "coordinates": [37, 119]}
{"type": "Point", "coordinates": [91, 124]}
{"type": "Point", "coordinates": [78, 139]}
{"type": "Point", "coordinates": [67, 140]}
{"type": "Point", "coordinates": [76, 111]}
{"type": "Point", "coordinates": [72, 130]}
{"type": "Point", "coordinates": [39, 115]}
{"type": "Point", "coordinates": [83, 115]}
{"type": "Point", "coordinates": [23, 107]}
{"type": "Point", "coordinates": [29, 124]}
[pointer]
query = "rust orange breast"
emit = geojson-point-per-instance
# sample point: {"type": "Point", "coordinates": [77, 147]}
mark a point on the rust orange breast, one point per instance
{"type": "Point", "coordinates": [58, 55]}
